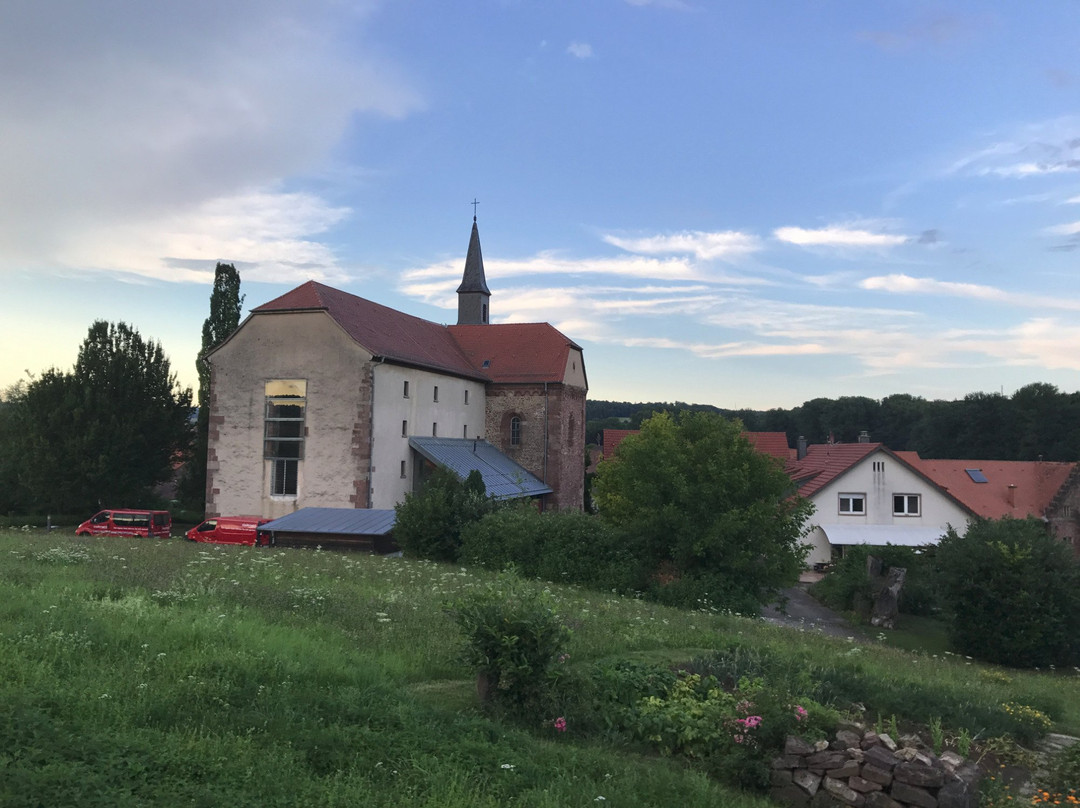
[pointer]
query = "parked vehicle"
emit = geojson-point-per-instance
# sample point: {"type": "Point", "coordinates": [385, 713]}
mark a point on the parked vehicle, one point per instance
{"type": "Point", "coordinates": [228, 530]}
{"type": "Point", "coordinates": [125, 522]}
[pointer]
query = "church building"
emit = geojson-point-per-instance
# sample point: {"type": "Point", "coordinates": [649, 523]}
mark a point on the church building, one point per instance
{"type": "Point", "coordinates": [324, 399]}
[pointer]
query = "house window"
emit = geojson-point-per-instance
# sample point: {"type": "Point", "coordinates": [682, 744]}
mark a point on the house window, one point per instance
{"type": "Point", "coordinates": [483, 312]}
{"type": "Point", "coordinates": [466, 396]}
{"type": "Point", "coordinates": [405, 391]}
{"type": "Point", "coordinates": [465, 434]}
{"type": "Point", "coordinates": [853, 504]}
{"type": "Point", "coordinates": [403, 467]}
{"type": "Point", "coordinates": [515, 431]}
{"type": "Point", "coordinates": [404, 429]}
{"type": "Point", "coordinates": [435, 430]}
{"type": "Point", "coordinates": [905, 504]}
{"type": "Point", "coordinates": [436, 392]}
{"type": "Point", "coordinates": [283, 433]}
{"type": "Point", "coordinates": [283, 475]}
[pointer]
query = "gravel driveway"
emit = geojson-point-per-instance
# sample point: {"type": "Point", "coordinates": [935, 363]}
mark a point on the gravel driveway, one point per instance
{"type": "Point", "coordinates": [806, 614]}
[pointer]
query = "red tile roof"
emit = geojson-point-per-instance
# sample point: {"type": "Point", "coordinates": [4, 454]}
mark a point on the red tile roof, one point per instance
{"type": "Point", "coordinates": [612, 439]}
{"type": "Point", "coordinates": [1036, 483]}
{"type": "Point", "coordinates": [770, 443]}
{"type": "Point", "coordinates": [824, 462]}
{"type": "Point", "coordinates": [515, 352]}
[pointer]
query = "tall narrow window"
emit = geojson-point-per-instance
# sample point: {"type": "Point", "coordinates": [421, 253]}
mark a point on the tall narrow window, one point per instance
{"type": "Point", "coordinates": [404, 429]}
{"type": "Point", "coordinates": [405, 392]}
{"type": "Point", "coordinates": [465, 434]}
{"type": "Point", "coordinates": [403, 468]}
{"type": "Point", "coordinates": [283, 433]}
{"type": "Point", "coordinates": [436, 392]}
{"type": "Point", "coordinates": [515, 431]}
{"type": "Point", "coordinates": [466, 396]}
{"type": "Point", "coordinates": [435, 430]}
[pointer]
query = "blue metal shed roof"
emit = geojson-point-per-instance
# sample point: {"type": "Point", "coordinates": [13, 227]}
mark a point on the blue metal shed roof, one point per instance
{"type": "Point", "coordinates": [352, 521]}
{"type": "Point", "coordinates": [503, 478]}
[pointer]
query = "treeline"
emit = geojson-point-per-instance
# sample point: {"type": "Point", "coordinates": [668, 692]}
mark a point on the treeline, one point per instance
{"type": "Point", "coordinates": [1037, 421]}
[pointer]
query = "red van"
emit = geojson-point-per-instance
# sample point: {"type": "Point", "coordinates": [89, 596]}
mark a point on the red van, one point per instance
{"type": "Point", "coordinates": [228, 530]}
{"type": "Point", "coordinates": [123, 522]}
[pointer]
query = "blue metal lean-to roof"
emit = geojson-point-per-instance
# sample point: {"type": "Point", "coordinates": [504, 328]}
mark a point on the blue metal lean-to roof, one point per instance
{"type": "Point", "coordinates": [503, 478]}
{"type": "Point", "coordinates": [349, 521]}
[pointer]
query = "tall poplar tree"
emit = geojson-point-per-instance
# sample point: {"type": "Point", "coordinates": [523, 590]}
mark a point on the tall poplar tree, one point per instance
{"type": "Point", "coordinates": [225, 306]}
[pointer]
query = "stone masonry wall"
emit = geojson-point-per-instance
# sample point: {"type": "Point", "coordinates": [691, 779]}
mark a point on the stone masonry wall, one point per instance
{"type": "Point", "coordinates": [863, 769]}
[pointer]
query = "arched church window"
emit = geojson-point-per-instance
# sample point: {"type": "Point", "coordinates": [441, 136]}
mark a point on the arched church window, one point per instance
{"type": "Point", "coordinates": [515, 431]}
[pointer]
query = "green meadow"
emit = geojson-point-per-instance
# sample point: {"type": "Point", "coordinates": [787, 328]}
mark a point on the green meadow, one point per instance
{"type": "Point", "coordinates": [140, 672]}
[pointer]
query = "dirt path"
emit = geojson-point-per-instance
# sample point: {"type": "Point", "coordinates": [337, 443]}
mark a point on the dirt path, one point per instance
{"type": "Point", "coordinates": [806, 614]}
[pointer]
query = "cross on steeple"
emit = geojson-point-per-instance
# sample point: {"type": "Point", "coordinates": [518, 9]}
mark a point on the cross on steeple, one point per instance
{"type": "Point", "coordinates": [474, 203]}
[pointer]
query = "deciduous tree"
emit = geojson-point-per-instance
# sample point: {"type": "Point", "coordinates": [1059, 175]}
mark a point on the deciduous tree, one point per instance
{"type": "Point", "coordinates": [105, 433]}
{"type": "Point", "coordinates": [712, 518]}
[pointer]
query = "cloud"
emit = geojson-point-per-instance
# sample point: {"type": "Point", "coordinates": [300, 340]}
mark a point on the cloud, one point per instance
{"type": "Point", "coordinates": [837, 236]}
{"type": "Point", "coordinates": [1044, 148]}
{"type": "Point", "coordinates": [929, 237]}
{"type": "Point", "coordinates": [580, 50]}
{"type": "Point", "coordinates": [1070, 229]}
{"type": "Point", "coordinates": [136, 120]}
{"type": "Point", "coordinates": [726, 245]}
{"type": "Point", "coordinates": [906, 284]}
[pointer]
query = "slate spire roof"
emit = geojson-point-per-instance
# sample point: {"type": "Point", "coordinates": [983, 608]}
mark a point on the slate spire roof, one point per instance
{"type": "Point", "coordinates": [473, 278]}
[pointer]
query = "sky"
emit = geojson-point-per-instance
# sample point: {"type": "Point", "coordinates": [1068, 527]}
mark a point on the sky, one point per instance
{"type": "Point", "coordinates": [745, 204]}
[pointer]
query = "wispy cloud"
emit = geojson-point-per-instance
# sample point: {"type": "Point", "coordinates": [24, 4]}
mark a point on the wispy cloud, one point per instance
{"type": "Point", "coordinates": [906, 284]}
{"type": "Point", "coordinates": [580, 50]}
{"type": "Point", "coordinates": [837, 236]}
{"type": "Point", "coordinates": [725, 245]}
{"type": "Point", "coordinates": [939, 30]}
{"type": "Point", "coordinates": [1039, 149]}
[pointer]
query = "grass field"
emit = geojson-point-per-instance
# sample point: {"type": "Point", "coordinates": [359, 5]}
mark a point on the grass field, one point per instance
{"type": "Point", "coordinates": [147, 672]}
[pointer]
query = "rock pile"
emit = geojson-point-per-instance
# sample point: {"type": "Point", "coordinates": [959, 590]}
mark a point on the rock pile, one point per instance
{"type": "Point", "coordinates": [870, 770]}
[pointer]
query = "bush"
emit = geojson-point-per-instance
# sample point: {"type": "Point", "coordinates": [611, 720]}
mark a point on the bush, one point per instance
{"type": "Point", "coordinates": [516, 641]}
{"type": "Point", "coordinates": [428, 523]}
{"type": "Point", "coordinates": [847, 587]}
{"type": "Point", "coordinates": [1013, 594]}
{"type": "Point", "coordinates": [566, 547]}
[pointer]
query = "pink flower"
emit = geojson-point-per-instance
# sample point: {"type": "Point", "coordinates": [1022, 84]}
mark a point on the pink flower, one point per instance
{"type": "Point", "coordinates": [560, 724]}
{"type": "Point", "coordinates": [738, 739]}
{"type": "Point", "coordinates": [800, 712]}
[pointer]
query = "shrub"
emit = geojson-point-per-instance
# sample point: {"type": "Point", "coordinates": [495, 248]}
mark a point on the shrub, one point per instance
{"type": "Point", "coordinates": [567, 547]}
{"type": "Point", "coordinates": [847, 587]}
{"type": "Point", "coordinates": [515, 641]}
{"type": "Point", "coordinates": [1013, 594]}
{"type": "Point", "coordinates": [428, 523]}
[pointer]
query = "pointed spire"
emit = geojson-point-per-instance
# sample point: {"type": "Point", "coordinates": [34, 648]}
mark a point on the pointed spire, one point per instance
{"type": "Point", "coordinates": [473, 293]}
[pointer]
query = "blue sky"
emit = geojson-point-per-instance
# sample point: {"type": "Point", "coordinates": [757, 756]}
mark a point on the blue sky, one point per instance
{"type": "Point", "coordinates": [748, 204]}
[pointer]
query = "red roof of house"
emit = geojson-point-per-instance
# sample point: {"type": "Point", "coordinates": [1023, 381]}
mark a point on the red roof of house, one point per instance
{"type": "Point", "coordinates": [1015, 488]}
{"type": "Point", "coordinates": [515, 352]}
{"type": "Point", "coordinates": [612, 439]}
{"type": "Point", "coordinates": [1036, 482]}
{"type": "Point", "coordinates": [824, 462]}
{"type": "Point", "coordinates": [770, 443]}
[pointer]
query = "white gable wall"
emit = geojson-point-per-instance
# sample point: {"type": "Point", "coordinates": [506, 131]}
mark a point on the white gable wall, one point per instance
{"type": "Point", "coordinates": [878, 485]}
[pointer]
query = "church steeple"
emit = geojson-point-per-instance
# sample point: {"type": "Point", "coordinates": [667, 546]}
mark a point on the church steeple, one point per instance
{"type": "Point", "coordinates": [473, 293]}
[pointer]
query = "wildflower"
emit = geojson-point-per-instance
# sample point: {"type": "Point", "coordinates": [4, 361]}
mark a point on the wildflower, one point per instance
{"type": "Point", "coordinates": [560, 724]}
{"type": "Point", "coordinates": [507, 766]}
{"type": "Point", "coordinates": [800, 712]}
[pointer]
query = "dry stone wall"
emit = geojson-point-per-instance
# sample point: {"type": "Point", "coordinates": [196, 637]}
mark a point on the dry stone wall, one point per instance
{"type": "Point", "coordinates": [864, 769]}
